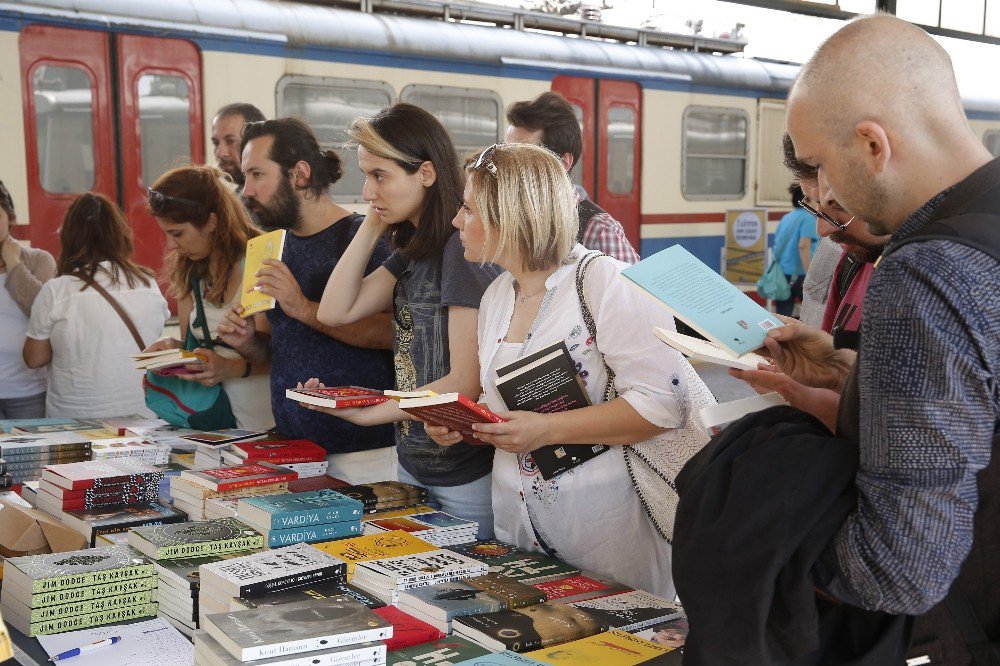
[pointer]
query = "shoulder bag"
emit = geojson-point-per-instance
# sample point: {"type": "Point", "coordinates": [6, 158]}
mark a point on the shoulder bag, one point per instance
{"type": "Point", "coordinates": [654, 464]}
{"type": "Point", "coordinates": [773, 284]}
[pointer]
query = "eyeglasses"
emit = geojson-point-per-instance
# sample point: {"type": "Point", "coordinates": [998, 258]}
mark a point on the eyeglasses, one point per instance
{"type": "Point", "coordinates": [825, 217]}
{"type": "Point", "coordinates": [485, 159]}
{"type": "Point", "coordinates": [158, 201]}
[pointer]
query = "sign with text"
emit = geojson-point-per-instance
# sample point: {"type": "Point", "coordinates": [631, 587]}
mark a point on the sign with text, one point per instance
{"type": "Point", "coordinates": [746, 243]}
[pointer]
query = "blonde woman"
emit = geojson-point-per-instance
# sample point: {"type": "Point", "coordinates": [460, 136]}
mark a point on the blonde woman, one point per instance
{"type": "Point", "coordinates": [519, 212]}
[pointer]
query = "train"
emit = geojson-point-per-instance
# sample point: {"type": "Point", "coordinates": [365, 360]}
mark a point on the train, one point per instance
{"type": "Point", "coordinates": [105, 95]}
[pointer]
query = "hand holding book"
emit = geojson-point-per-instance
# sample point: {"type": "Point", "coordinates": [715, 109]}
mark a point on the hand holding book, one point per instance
{"type": "Point", "coordinates": [807, 355]}
{"type": "Point", "coordinates": [521, 432]}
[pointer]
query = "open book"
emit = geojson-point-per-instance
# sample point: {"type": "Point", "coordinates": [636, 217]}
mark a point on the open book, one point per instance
{"type": "Point", "coordinates": [716, 417]}
{"type": "Point", "coordinates": [166, 361]}
{"type": "Point", "coordinates": [265, 246]}
{"type": "Point", "coordinates": [340, 397]}
{"type": "Point", "coordinates": [702, 299]}
{"type": "Point", "coordinates": [703, 350]}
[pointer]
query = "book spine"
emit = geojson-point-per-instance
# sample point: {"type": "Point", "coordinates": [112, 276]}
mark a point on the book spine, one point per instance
{"type": "Point", "coordinates": [332, 574]}
{"type": "Point", "coordinates": [91, 578]}
{"type": "Point", "coordinates": [49, 458]}
{"type": "Point", "coordinates": [208, 547]}
{"type": "Point", "coordinates": [285, 459]}
{"type": "Point", "coordinates": [37, 450]}
{"type": "Point", "coordinates": [308, 644]}
{"type": "Point", "coordinates": [312, 534]}
{"type": "Point", "coordinates": [76, 594]}
{"type": "Point", "coordinates": [152, 479]}
{"type": "Point", "coordinates": [75, 622]}
{"type": "Point", "coordinates": [322, 516]}
{"type": "Point", "coordinates": [342, 403]}
{"type": "Point", "coordinates": [95, 605]}
{"type": "Point", "coordinates": [236, 484]}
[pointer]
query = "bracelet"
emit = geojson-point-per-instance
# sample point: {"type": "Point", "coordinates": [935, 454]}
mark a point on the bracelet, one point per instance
{"type": "Point", "coordinates": [246, 373]}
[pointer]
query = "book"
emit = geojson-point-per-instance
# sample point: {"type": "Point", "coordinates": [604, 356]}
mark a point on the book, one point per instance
{"type": "Point", "coordinates": [703, 350]}
{"type": "Point", "coordinates": [487, 550]}
{"type": "Point", "coordinates": [224, 436]}
{"type": "Point", "coordinates": [185, 574]}
{"type": "Point", "coordinates": [89, 474]}
{"type": "Point", "coordinates": [407, 630]}
{"type": "Point", "coordinates": [374, 546]}
{"type": "Point", "coordinates": [182, 488]}
{"type": "Point", "coordinates": [93, 523]}
{"type": "Point", "coordinates": [611, 648]}
{"type": "Point", "coordinates": [715, 417]}
{"type": "Point", "coordinates": [671, 634]}
{"type": "Point", "coordinates": [530, 628]}
{"type": "Point", "coordinates": [289, 451]}
{"type": "Point", "coordinates": [702, 299]}
{"type": "Point", "coordinates": [322, 590]}
{"type": "Point", "coordinates": [505, 658]}
{"type": "Point", "coordinates": [312, 534]}
{"type": "Point", "coordinates": [92, 605]}
{"type": "Point", "coordinates": [208, 652]}
{"type": "Point", "coordinates": [438, 527]}
{"type": "Point", "coordinates": [407, 571]}
{"type": "Point", "coordinates": [240, 476]}
{"type": "Point", "coordinates": [318, 482]}
{"type": "Point", "coordinates": [118, 495]}
{"type": "Point", "coordinates": [337, 397]}
{"type": "Point", "coordinates": [265, 246]}
{"type": "Point", "coordinates": [631, 611]}
{"type": "Point", "coordinates": [272, 570]}
{"type": "Point", "coordinates": [75, 568]}
{"type": "Point", "coordinates": [385, 495]}
{"type": "Point", "coordinates": [8, 425]}
{"type": "Point", "coordinates": [531, 567]}
{"type": "Point", "coordinates": [75, 622]}
{"type": "Point", "coordinates": [76, 594]}
{"type": "Point", "coordinates": [130, 447]}
{"type": "Point", "coordinates": [193, 539]}
{"type": "Point", "coordinates": [400, 395]}
{"type": "Point", "coordinates": [11, 445]}
{"type": "Point", "coordinates": [445, 651]}
{"type": "Point", "coordinates": [300, 509]}
{"type": "Point", "coordinates": [167, 361]}
{"type": "Point", "coordinates": [49, 426]}
{"type": "Point", "coordinates": [452, 410]}
{"type": "Point", "coordinates": [470, 596]}
{"type": "Point", "coordinates": [584, 586]}
{"type": "Point", "coordinates": [261, 633]}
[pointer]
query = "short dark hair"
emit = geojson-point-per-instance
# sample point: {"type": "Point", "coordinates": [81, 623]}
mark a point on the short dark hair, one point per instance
{"type": "Point", "coordinates": [7, 203]}
{"type": "Point", "coordinates": [800, 170]}
{"type": "Point", "coordinates": [553, 114]}
{"type": "Point", "coordinates": [295, 142]}
{"type": "Point", "coordinates": [797, 194]}
{"type": "Point", "coordinates": [250, 113]}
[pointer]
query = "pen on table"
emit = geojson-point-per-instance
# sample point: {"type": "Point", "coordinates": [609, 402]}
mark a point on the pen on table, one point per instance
{"type": "Point", "coordinates": [86, 648]}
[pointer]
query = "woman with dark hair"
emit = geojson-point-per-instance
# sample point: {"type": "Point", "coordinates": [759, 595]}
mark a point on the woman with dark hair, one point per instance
{"type": "Point", "coordinates": [23, 271]}
{"type": "Point", "coordinates": [76, 329]}
{"type": "Point", "coordinates": [207, 230]}
{"type": "Point", "coordinates": [414, 187]}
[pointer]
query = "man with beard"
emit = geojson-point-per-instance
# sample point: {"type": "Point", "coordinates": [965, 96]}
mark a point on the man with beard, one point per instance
{"type": "Point", "coordinates": [226, 127]}
{"type": "Point", "coordinates": [287, 177]}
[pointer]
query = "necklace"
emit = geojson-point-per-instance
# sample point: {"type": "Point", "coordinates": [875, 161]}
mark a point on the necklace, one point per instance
{"type": "Point", "coordinates": [523, 297]}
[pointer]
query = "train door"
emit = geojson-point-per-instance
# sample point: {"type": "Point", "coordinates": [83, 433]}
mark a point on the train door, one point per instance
{"type": "Point", "coordinates": [105, 113]}
{"type": "Point", "coordinates": [610, 115]}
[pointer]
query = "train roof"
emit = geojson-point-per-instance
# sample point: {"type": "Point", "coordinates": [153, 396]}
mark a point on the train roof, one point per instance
{"type": "Point", "coordinates": [299, 25]}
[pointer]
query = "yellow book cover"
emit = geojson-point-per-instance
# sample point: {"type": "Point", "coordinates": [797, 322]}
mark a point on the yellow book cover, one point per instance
{"type": "Point", "coordinates": [612, 648]}
{"type": "Point", "coordinates": [265, 246]}
{"type": "Point", "coordinates": [374, 547]}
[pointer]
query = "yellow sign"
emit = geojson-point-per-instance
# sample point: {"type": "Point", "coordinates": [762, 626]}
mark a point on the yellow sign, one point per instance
{"type": "Point", "coordinates": [746, 242]}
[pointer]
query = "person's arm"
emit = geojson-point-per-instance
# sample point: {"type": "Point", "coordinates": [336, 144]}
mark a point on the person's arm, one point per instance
{"type": "Point", "coordinates": [350, 295]}
{"type": "Point", "coordinates": [24, 281]}
{"type": "Point", "coordinates": [928, 409]}
{"type": "Point", "coordinates": [807, 355]}
{"type": "Point", "coordinates": [251, 337]}
{"type": "Point", "coordinates": [606, 234]}
{"type": "Point", "coordinates": [37, 353]}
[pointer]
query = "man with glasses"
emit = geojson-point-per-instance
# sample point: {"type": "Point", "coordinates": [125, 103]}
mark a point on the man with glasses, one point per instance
{"type": "Point", "coordinates": [794, 243]}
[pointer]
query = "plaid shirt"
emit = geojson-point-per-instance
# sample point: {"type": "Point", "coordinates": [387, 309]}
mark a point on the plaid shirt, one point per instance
{"type": "Point", "coordinates": [605, 233]}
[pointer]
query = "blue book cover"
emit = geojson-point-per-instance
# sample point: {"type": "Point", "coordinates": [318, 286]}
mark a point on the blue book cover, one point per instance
{"type": "Point", "coordinates": [7, 425]}
{"type": "Point", "coordinates": [703, 299]}
{"type": "Point", "coordinates": [313, 534]}
{"type": "Point", "coordinates": [505, 658]}
{"type": "Point", "coordinates": [288, 510]}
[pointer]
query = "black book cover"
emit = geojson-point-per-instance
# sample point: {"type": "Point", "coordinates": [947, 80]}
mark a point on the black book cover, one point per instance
{"type": "Point", "coordinates": [546, 381]}
{"type": "Point", "coordinates": [534, 627]}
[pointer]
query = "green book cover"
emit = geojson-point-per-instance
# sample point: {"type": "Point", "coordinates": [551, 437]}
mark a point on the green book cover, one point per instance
{"type": "Point", "coordinates": [77, 568]}
{"type": "Point", "coordinates": [531, 567]}
{"type": "Point", "coordinates": [194, 539]}
{"type": "Point", "coordinates": [75, 594]}
{"type": "Point", "coordinates": [451, 650]}
{"type": "Point", "coordinates": [62, 625]}
{"type": "Point", "coordinates": [96, 605]}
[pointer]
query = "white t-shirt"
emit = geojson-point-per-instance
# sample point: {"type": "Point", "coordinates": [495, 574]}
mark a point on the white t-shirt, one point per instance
{"type": "Point", "coordinates": [18, 380]}
{"type": "Point", "coordinates": [91, 374]}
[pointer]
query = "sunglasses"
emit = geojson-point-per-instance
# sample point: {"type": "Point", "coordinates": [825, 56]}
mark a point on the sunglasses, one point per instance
{"type": "Point", "coordinates": [159, 202]}
{"type": "Point", "coordinates": [485, 159]}
{"type": "Point", "coordinates": [826, 218]}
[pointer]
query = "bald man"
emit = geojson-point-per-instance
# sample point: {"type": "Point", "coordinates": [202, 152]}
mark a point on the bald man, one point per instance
{"type": "Point", "coordinates": [902, 156]}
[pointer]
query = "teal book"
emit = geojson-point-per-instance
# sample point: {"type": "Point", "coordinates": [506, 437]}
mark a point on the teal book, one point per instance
{"type": "Point", "coordinates": [505, 658]}
{"type": "Point", "coordinates": [313, 534]}
{"type": "Point", "coordinates": [702, 299]}
{"type": "Point", "coordinates": [288, 510]}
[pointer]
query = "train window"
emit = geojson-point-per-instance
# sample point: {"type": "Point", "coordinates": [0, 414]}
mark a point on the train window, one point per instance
{"type": "Point", "coordinates": [329, 106]}
{"type": "Point", "coordinates": [64, 128]}
{"type": "Point", "coordinates": [471, 116]}
{"type": "Point", "coordinates": [991, 139]}
{"type": "Point", "coordinates": [621, 149]}
{"type": "Point", "coordinates": [164, 127]}
{"type": "Point", "coordinates": [715, 153]}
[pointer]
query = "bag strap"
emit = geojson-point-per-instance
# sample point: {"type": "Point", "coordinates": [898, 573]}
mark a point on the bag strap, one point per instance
{"type": "Point", "coordinates": [588, 318]}
{"type": "Point", "coordinates": [200, 313]}
{"type": "Point", "coordinates": [118, 308]}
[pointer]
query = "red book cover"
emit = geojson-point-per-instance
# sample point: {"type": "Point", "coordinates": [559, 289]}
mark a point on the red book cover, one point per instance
{"type": "Point", "coordinates": [290, 451]}
{"type": "Point", "coordinates": [91, 473]}
{"type": "Point", "coordinates": [239, 476]}
{"type": "Point", "coordinates": [337, 397]}
{"type": "Point", "coordinates": [406, 629]}
{"type": "Point", "coordinates": [580, 588]}
{"type": "Point", "coordinates": [452, 410]}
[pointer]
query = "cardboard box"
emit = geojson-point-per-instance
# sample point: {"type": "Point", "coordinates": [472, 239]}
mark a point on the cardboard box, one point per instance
{"type": "Point", "coordinates": [32, 532]}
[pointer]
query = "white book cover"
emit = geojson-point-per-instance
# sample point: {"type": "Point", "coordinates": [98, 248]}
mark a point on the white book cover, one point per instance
{"type": "Point", "coordinates": [715, 416]}
{"type": "Point", "coordinates": [272, 570]}
{"type": "Point", "coordinates": [433, 565]}
{"type": "Point", "coordinates": [209, 653]}
{"type": "Point", "coordinates": [703, 350]}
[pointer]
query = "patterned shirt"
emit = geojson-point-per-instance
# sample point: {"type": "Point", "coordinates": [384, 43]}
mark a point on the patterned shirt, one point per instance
{"type": "Point", "coordinates": [606, 234]}
{"type": "Point", "coordinates": [929, 407]}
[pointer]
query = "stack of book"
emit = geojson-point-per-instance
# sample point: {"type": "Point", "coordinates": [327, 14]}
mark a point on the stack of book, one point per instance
{"type": "Point", "coordinates": [93, 484]}
{"type": "Point", "coordinates": [28, 454]}
{"type": "Point", "coordinates": [386, 577]}
{"type": "Point", "coordinates": [373, 547]}
{"type": "Point", "coordinates": [528, 628]}
{"type": "Point", "coordinates": [194, 539]}
{"type": "Point", "coordinates": [192, 488]}
{"type": "Point", "coordinates": [304, 592]}
{"type": "Point", "coordinates": [178, 587]}
{"type": "Point", "coordinates": [321, 515]}
{"type": "Point", "coordinates": [110, 520]}
{"type": "Point", "coordinates": [48, 426]}
{"type": "Point", "coordinates": [338, 630]}
{"type": "Point", "coordinates": [208, 446]}
{"type": "Point", "coordinates": [386, 495]}
{"type": "Point", "coordinates": [299, 455]}
{"type": "Point", "coordinates": [440, 603]}
{"type": "Point", "coordinates": [130, 447]}
{"type": "Point", "coordinates": [265, 572]}
{"type": "Point", "coordinates": [221, 507]}
{"type": "Point", "coordinates": [438, 528]}
{"type": "Point", "coordinates": [582, 586]}
{"type": "Point", "coordinates": [59, 592]}
{"type": "Point", "coordinates": [6, 480]}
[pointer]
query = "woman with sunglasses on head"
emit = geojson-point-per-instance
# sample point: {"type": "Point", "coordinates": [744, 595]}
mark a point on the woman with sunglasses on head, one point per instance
{"type": "Point", "coordinates": [414, 186]}
{"type": "Point", "coordinates": [23, 271]}
{"type": "Point", "coordinates": [207, 229]}
{"type": "Point", "coordinates": [520, 213]}
{"type": "Point", "coordinates": [82, 322]}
